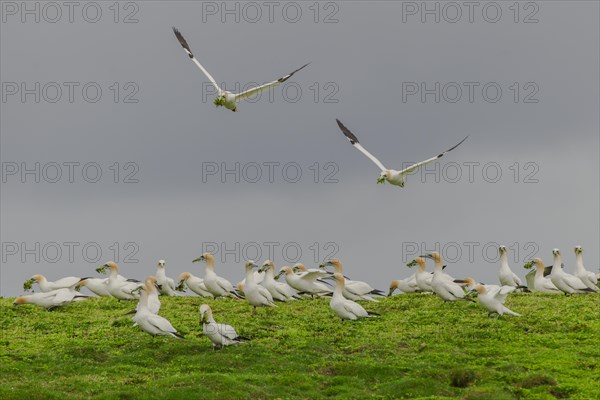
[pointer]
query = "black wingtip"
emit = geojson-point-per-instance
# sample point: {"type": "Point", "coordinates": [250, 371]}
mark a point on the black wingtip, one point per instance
{"type": "Point", "coordinates": [349, 135]}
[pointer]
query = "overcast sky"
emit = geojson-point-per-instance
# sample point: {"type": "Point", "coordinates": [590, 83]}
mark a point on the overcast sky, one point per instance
{"type": "Point", "coordinates": [155, 130]}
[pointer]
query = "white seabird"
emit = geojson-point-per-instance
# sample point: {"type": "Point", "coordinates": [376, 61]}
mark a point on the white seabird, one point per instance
{"type": "Point", "coordinates": [149, 322]}
{"type": "Point", "coordinates": [541, 283]}
{"type": "Point", "coordinates": [225, 98]}
{"type": "Point", "coordinates": [51, 299]}
{"type": "Point", "coordinates": [422, 277]}
{"type": "Point", "coordinates": [218, 286]}
{"type": "Point", "coordinates": [166, 285]}
{"type": "Point", "coordinates": [279, 290]}
{"type": "Point", "coordinates": [343, 307]}
{"type": "Point", "coordinates": [492, 299]}
{"type": "Point", "coordinates": [306, 282]}
{"type": "Point", "coordinates": [98, 286]}
{"type": "Point", "coordinates": [256, 295]}
{"type": "Point", "coordinates": [406, 285]}
{"type": "Point", "coordinates": [505, 275]}
{"type": "Point", "coordinates": [219, 334]}
{"type": "Point", "coordinates": [443, 285]}
{"type": "Point", "coordinates": [390, 175]}
{"type": "Point", "coordinates": [354, 290]}
{"type": "Point", "coordinates": [194, 283]}
{"type": "Point", "coordinates": [117, 287]}
{"type": "Point", "coordinates": [46, 286]}
{"type": "Point", "coordinates": [567, 283]}
{"type": "Point", "coordinates": [588, 278]}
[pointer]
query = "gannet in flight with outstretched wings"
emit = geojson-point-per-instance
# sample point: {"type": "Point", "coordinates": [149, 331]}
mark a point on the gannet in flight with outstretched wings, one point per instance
{"type": "Point", "coordinates": [392, 176]}
{"type": "Point", "coordinates": [225, 98]}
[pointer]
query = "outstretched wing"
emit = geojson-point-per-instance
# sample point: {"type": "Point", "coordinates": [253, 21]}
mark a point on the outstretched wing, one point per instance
{"type": "Point", "coordinates": [258, 89]}
{"type": "Point", "coordinates": [354, 141]}
{"type": "Point", "coordinates": [187, 49]}
{"type": "Point", "coordinates": [417, 165]}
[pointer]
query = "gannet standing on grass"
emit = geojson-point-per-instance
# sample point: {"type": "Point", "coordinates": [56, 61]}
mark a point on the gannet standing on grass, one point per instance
{"type": "Point", "coordinates": [225, 98]}
{"type": "Point", "coordinates": [422, 277]}
{"type": "Point", "coordinates": [588, 278]}
{"type": "Point", "coordinates": [256, 295]}
{"type": "Point", "coordinates": [51, 299]}
{"type": "Point", "coordinates": [406, 285]}
{"type": "Point", "coordinates": [149, 322]}
{"type": "Point", "coordinates": [353, 290]}
{"type": "Point", "coordinates": [98, 286]}
{"type": "Point", "coordinates": [219, 334]}
{"type": "Point", "coordinates": [166, 285]}
{"type": "Point", "coordinates": [567, 283]}
{"type": "Point", "coordinates": [492, 299]}
{"type": "Point", "coordinates": [540, 282]}
{"type": "Point", "coordinates": [442, 285]}
{"type": "Point", "coordinates": [505, 275]}
{"type": "Point", "coordinates": [46, 286]}
{"type": "Point", "coordinates": [343, 307]}
{"type": "Point", "coordinates": [390, 175]}
{"type": "Point", "coordinates": [117, 287]}
{"type": "Point", "coordinates": [305, 283]}
{"type": "Point", "coordinates": [194, 283]}
{"type": "Point", "coordinates": [279, 290]}
{"type": "Point", "coordinates": [218, 286]}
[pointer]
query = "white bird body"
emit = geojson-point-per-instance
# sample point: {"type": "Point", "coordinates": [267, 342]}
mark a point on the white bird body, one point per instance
{"type": "Point", "coordinates": [195, 284]}
{"type": "Point", "coordinates": [492, 298]}
{"type": "Point", "coordinates": [225, 98]}
{"type": "Point", "coordinates": [567, 283]}
{"type": "Point", "coordinates": [392, 176]}
{"type": "Point", "coordinates": [279, 290]}
{"type": "Point", "coordinates": [219, 334]}
{"type": "Point", "coordinates": [306, 282]}
{"type": "Point", "coordinates": [355, 290]}
{"type": "Point", "coordinates": [148, 321]}
{"type": "Point", "coordinates": [166, 285]}
{"type": "Point", "coordinates": [443, 285]}
{"type": "Point", "coordinates": [218, 286]}
{"type": "Point", "coordinates": [406, 285]}
{"type": "Point", "coordinates": [422, 277]}
{"type": "Point", "coordinates": [63, 283]}
{"type": "Point", "coordinates": [98, 286]}
{"type": "Point", "coordinates": [53, 298]}
{"type": "Point", "coordinates": [588, 278]}
{"type": "Point", "coordinates": [505, 275]}
{"type": "Point", "coordinates": [343, 307]}
{"type": "Point", "coordinates": [541, 283]}
{"type": "Point", "coordinates": [119, 288]}
{"type": "Point", "coordinates": [256, 295]}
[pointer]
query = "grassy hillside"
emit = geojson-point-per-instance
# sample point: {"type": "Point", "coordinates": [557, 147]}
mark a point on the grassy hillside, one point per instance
{"type": "Point", "coordinates": [419, 348]}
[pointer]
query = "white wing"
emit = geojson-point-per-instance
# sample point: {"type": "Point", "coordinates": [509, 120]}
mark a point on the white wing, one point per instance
{"type": "Point", "coordinates": [417, 165]}
{"type": "Point", "coordinates": [161, 323]}
{"type": "Point", "coordinates": [256, 90]}
{"type": "Point", "coordinates": [354, 141]}
{"type": "Point", "coordinates": [227, 330]}
{"type": "Point", "coordinates": [313, 275]}
{"type": "Point", "coordinates": [187, 49]}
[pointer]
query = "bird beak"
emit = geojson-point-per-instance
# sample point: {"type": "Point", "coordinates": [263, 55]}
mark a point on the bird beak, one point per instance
{"type": "Point", "coordinates": [179, 287]}
{"type": "Point", "coordinates": [426, 256]}
{"type": "Point", "coordinates": [201, 258]}
{"type": "Point", "coordinates": [279, 275]}
{"type": "Point", "coordinates": [390, 292]}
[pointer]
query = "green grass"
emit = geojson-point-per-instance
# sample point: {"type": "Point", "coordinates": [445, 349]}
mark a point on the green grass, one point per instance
{"type": "Point", "coordinates": [419, 348]}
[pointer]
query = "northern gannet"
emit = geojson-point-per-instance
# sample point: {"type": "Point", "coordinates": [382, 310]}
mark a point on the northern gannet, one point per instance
{"type": "Point", "coordinates": [256, 295]}
{"type": "Point", "coordinates": [492, 299]}
{"type": "Point", "coordinates": [194, 283]}
{"type": "Point", "coordinates": [343, 307]}
{"type": "Point", "coordinates": [540, 282]}
{"type": "Point", "coordinates": [443, 285]}
{"type": "Point", "coordinates": [306, 282]}
{"type": "Point", "coordinates": [506, 276]}
{"type": "Point", "coordinates": [51, 299]}
{"type": "Point", "coordinates": [149, 322]}
{"type": "Point", "coordinates": [117, 287]}
{"type": "Point", "coordinates": [153, 302]}
{"type": "Point", "coordinates": [406, 285]}
{"type": "Point", "coordinates": [567, 283]}
{"type": "Point", "coordinates": [353, 290]}
{"type": "Point", "coordinates": [588, 278]}
{"type": "Point", "coordinates": [98, 286]}
{"type": "Point", "coordinates": [225, 98]}
{"type": "Point", "coordinates": [390, 175]}
{"type": "Point", "coordinates": [422, 277]}
{"type": "Point", "coordinates": [279, 290]}
{"type": "Point", "coordinates": [218, 286]}
{"type": "Point", "coordinates": [219, 334]}
{"type": "Point", "coordinates": [166, 285]}
{"type": "Point", "coordinates": [45, 286]}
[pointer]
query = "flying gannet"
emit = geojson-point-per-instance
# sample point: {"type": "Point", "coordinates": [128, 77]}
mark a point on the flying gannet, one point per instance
{"type": "Point", "coordinates": [225, 98]}
{"type": "Point", "coordinates": [390, 175]}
